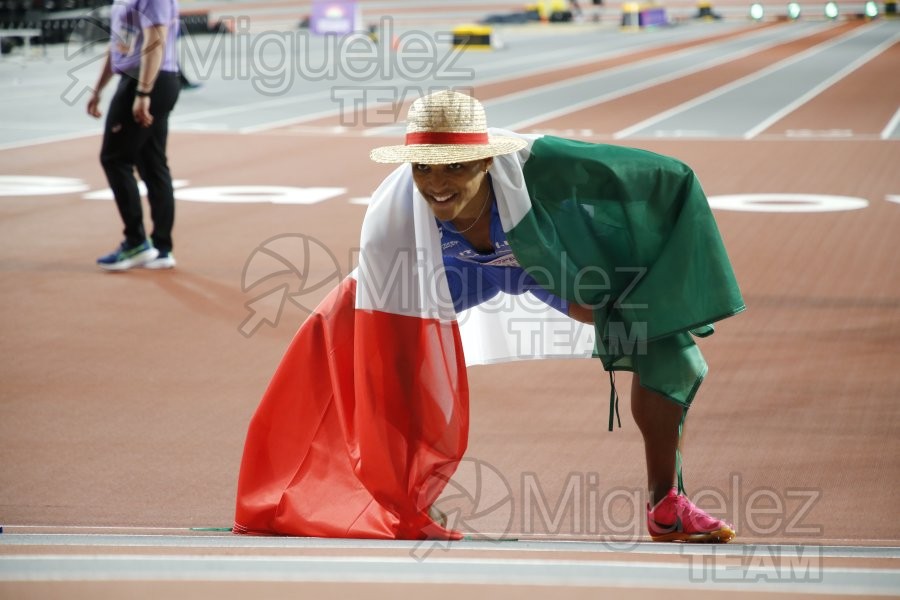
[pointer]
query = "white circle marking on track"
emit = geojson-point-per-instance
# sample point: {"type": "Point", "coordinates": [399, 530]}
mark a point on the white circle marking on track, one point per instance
{"type": "Point", "coordinates": [787, 203]}
{"type": "Point", "coordinates": [259, 193]}
{"type": "Point", "coordinates": [26, 185]}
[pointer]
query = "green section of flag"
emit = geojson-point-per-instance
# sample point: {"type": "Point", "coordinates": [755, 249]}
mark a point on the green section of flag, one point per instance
{"type": "Point", "coordinates": [631, 233]}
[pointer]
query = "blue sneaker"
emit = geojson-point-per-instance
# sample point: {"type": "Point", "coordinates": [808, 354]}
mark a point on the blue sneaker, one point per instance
{"type": "Point", "coordinates": [125, 257]}
{"type": "Point", "coordinates": [165, 260]}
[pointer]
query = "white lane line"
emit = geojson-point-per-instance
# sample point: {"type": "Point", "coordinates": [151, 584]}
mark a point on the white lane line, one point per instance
{"type": "Point", "coordinates": [821, 87]}
{"type": "Point", "coordinates": [29, 127]}
{"type": "Point", "coordinates": [737, 83]}
{"type": "Point", "coordinates": [227, 540]}
{"type": "Point", "coordinates": [819, 133]}
{"type": "Point", "coordinates": [508, 74]}
{"type": "Point", "coordinates": [790, 577]}
{"type": "Point", "coordinates": [888, 130]}
{"type": "Point", "coordinates": [524, 65]}
{"type": "Point", "coordinates": [624, 91]}
{"type": "Point", "coordinates": [262, 127]}
{"type": "Point", "coordinates": [49, 140]}
{"type": "Point", "coordinates": [264, 104]}
{"type": "Point", "coordinates": [817, 136]}
{"type": "Point", "coordinates": [180, 120]}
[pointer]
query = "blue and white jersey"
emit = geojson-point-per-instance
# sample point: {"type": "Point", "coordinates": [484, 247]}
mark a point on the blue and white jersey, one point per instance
{"type": "Point", "coordinates": [475, 277]}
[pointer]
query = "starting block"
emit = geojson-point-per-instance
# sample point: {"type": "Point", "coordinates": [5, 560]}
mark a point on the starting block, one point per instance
{"type": "Point", "coordinates": [549, 10]}
{"type": "Point", "coordinates": [472, 37]}
{"type": "Point", "coordinates": [705, 11]}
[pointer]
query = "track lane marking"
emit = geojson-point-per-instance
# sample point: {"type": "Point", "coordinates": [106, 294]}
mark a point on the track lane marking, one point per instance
{"type": "Point", "coordinates": [652, 82]}
{"type": "Point", "coordinates": [821, 87]}
{"type": "Point", "coordinates": [727, 576]}
{"type": "Point", "coordinates": [888, 131]}
{"type": "Point", "coordinates": [737, 83]}
{"type": "Point", "coordinates": [227, 540]}
{"type": "Point", "coordinates": [487, 97]}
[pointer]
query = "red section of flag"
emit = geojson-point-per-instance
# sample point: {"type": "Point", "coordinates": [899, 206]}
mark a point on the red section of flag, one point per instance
{"type": "Point", "coordinates": [359, 429]}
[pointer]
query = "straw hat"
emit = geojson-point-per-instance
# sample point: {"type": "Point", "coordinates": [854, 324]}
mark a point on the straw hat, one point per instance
{"type": "Point", "coordinates": [446, 127]}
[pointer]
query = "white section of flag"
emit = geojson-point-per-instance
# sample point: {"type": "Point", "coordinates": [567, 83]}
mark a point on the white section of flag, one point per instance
{"type": "Point", "coordinates": [521, 327]}
{"type": "Point", "coordinates": [400, 264]}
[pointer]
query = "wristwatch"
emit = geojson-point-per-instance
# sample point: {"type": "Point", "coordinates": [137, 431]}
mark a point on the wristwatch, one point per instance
{"type": "Point", "coordinates": [141, 94]}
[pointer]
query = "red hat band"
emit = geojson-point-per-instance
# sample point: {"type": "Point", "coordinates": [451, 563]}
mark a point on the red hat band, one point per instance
{"type": "Point", "coordinates": [446, 137]}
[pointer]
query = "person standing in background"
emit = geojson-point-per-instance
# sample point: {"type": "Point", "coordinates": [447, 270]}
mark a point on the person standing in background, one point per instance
{"type": "Point", "coordinates": [143, 52]}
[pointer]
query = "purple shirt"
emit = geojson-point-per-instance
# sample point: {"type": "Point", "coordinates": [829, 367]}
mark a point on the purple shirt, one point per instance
{"type": "Point", "coordinates": [128, 19]}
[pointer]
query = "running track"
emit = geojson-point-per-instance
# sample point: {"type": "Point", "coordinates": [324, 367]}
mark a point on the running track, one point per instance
{"type": "Point", "coordinates": [125, 398]}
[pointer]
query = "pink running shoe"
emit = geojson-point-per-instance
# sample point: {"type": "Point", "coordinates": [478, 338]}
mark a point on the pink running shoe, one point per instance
{"type": "Point", "coordinates": [676, 519]}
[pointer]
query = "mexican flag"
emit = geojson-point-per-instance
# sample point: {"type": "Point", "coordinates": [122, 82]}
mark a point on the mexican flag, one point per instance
{"type": "Point", "coordinates": [366, 417]}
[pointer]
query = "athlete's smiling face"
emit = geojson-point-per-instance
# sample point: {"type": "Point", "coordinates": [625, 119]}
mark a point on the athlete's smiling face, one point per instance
{"type": "Point", "coordinates": [456, 190]}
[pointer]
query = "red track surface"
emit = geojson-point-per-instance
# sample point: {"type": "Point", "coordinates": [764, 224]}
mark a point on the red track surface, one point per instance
{"type": "Point", "coordinates": [126, 398]}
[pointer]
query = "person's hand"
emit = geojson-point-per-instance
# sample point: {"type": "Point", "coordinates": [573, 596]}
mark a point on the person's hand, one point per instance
{"type": "Point", "coordinates": [583, 314]}
{"type": "Point", "coordinates": [93, 105]}
{"type": "Point", "coordinates": [141, 111]}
